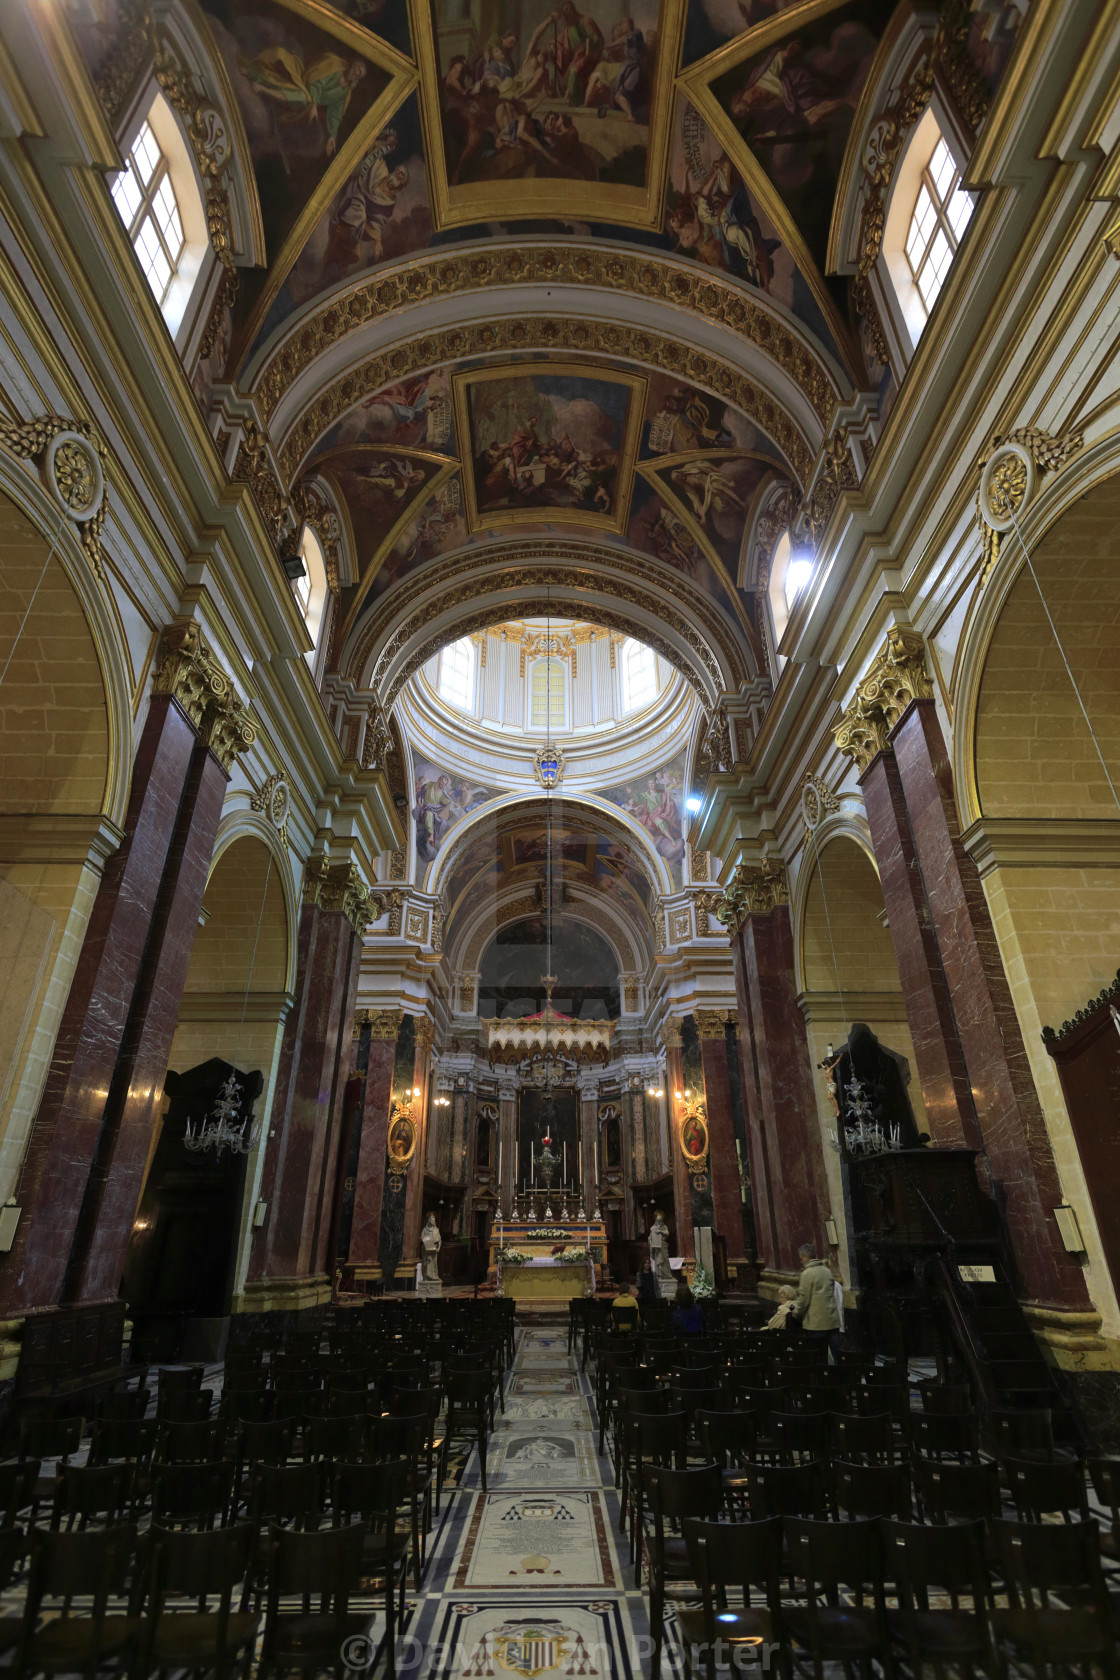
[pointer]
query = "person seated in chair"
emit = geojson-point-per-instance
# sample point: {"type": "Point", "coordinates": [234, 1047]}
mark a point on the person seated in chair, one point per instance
{"type": "Point", "coordinates": [686, 1319]}
{"type": "Point", "coordinates": [784, 1318]}
{"type": "Point", "coordinates": [623, 1305]}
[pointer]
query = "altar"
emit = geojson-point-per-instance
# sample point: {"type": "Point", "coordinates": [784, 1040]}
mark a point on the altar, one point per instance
{"type": "Point", "coordinates": [542, 1274]}
{"type": "Point", "coordinates": [546, 1280]}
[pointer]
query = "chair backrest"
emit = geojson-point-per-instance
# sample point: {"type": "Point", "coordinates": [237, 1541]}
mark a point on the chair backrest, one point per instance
{"type": "Point", "coordinates": [945, 1398]}
{"type": "Point", "coordinates": [1023, 1429]}
{"type": "Point", "coordinates": [801, 1434]}
{"type": "Point", "coordinates": [1042, 1489]}
{"type": "Point", "coordinates": [663, 1440]}
{"type": "Point", "coordinates": [17, 1486]}
{"type": "Point", "coordinates": [198, 1565]}
{"type": "Point", "coordinates": [91, 1490]}
{"type": "Point", "coordinates": [373, 1492]}
{"type": "Point", "coordinates": [183, 1379]}
{"type": "Point", "coordinates": [49, 1437]}
{"type": "Point", "coordinates": [200, 1494]}
{"type": "Point", "coordinates": [177, 1405]}
{"type": "Point", "coordinates": [13, 1550]}
{"type": "Point", "coordinates": [740, 1554]}
{"type": "Point", "coordinates": [190, 1443]}
{"type": "Point", "coordinates": [676, 1494]}
{"type": "Point", "coordinates": [788, 1490]}
{"type": "Point", "coordinates": [335, 1437]}
{"type": "Point", "coordinates": [1104, 1473]}
{"type": "Point", "coordinates": [861, 1438]}
{"type": "Point", "coordinates": [945, 1556]}
{"type": "Point", "coordinates": [835, 1555]}
{"type": "Point", "coordinates": [323, 1565]}
{"type": "Point", "coordinates": [124, 1403]}
{"type": "Point", "coordinates": [693, 1376]}
{"type": "Point", "coordinates": [1054, 1566]}
{"type": "Point", "coordinates": [727, 1436]}
{"type": "Point", "coordinates": [79, 1563]}
{"type": "Point", "coordinates": [872, 1490]}
{"type": "Point", "coordinates": [132, 1442]}
{"type": "Point", "coordinates": [266, 1443]}
{"type": "Point", "coordinates": [946, 1434]}
{"type": "Point", "coordinates": [286, 1493]}
{"type": "Point", "coordinates": [625, 1320]}
{"type": "Point", "coordinates": [948, 1490]}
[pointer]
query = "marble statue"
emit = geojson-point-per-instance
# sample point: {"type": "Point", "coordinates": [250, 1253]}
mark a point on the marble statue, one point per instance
{"type": "Point", "coordinates": [659, 1251]}
{"type": "Point", "coordinates": [431, 1242]}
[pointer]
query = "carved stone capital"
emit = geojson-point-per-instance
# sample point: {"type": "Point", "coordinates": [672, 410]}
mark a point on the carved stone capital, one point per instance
{"type": "Point", "coordinates": [338, 887]}
{"type": "Point", "coordinates": [228, 730]}
{"type": "Point", "coordinates": [384, 1024]}
{"type": "Point", "coordinates": [672, 1035]}
{"type": "Point", "coordinates": [425, 1033]}
{"type": "Point", "coordinates": [897, 677]}
{"type": "Point", "coordinates": [861, 736]}
{"type": "Point", "coordinates": [753, 890]}
{"type": "Point", "coordinates": [711, 1024]}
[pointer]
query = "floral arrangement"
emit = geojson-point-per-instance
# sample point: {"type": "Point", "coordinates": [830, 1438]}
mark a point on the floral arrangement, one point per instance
{"type": "Point", "coordinates": [703, 1284]}
{"type": "Point", "coordinates": [544, 1232]}
{"type": "Point", "coordinates": [513, 1257]}
{"type": "Point", "coordinates": [573, 1256]}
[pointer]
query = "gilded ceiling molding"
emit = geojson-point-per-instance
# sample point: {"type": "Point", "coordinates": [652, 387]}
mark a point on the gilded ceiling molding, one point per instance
{"type": "Point", "coordinates": [131, 50]}
{"type": "Point", "coordinates": [311, 505]}
{"type": "Point", "coordinates": [448, 273]}
{"type": "Point", "coordinates": [1010, 468]}
{"type": "Point", "coordinates": [753, 890]}
{"type": "Point", "coordinates": [253, 466]}
{"type": "Point", "coordinates": [339, 887]}
{"type": "Point", "coordinates": [72, 458]}
{"type": "Point", "coordinates": [776, 517]}
{"type": "Point", "coordinates": [528, 333]}
{"type": "Point", "coordinates": [188, 672]}
{"type": "Point", "coordinates": [533, 565]}
{"type": "Point", "coordinates": [210, 142]}
{"type": "Point", "coordinates": [897, 678]}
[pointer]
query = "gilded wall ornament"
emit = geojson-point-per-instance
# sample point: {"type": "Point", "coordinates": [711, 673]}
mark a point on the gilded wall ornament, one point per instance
{"type": "Point", "coordinates": [210, 142]}
{"type": "Point", "coordinates": [312, 506]}
{"type": "Point", "coordinates": [521, 333]}
{"type": "Point", "coordinates": [861, 737]}
{"type": "Point", "coordinates": [398, 864]}
{"type": "Point", "coordinates": [1009, 477]}
{"type": "Point", "coordinates": [707, 904]}
{"type": "Point", "coordinates": [817, 803]}
{"type": "Point", "coordinates": [631, 993]}
{"type": "Point", "coordinates": [253, 466]}
{"type": "Point", "coordinates": [753, 890]}
{"type": "Point", "coordinates": [711, 1024]}
{"type": "Point", "coordinates": [693, 1136]}
{"type": "Point", "coordinates": [377, 743]}
{"type": "Point", "coordinates": [548, 765]}
{"type": "Point", "coordinates": [384, 1024]}
{"type": "Point", "coordinates": [131, 49]}
{"type": "Point", "coordinates": [275, 800]}
{"type": "Point", "coordinates": [71, 457]}
{"type": "Point", "coordinates": [402, 1136]}
{"type": "Point", "coordinates": [448, 273]}
{"type": "Point", "coordinates": [897, 678]}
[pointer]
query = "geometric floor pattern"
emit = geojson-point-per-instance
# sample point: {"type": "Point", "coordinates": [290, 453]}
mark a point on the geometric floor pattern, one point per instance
{"type": "Point", "coordinates": [526, 1580]}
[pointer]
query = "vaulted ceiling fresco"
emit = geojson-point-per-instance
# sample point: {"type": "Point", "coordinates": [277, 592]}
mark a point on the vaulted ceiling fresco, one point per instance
{"type": "Point", "coordinates": [666, 160]}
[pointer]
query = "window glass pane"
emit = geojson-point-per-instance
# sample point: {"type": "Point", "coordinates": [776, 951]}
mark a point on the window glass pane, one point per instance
{"type": "Point", "coordinates": [942, 169]}
{"type": "Point", "coordinates": [639, 675]}
{"type": "Point", "coordinates": [960, 209]}
{"type": "Point", "coordinates": [546, 704]}
{"type": "Point", "coordinates": [146, 202]}
{"type": "Point", "coordinates": [127, 195]}
{"type": "Point", "coordinates": [456, 673]}
{"type": "Point", "coordinates": [146, 152]}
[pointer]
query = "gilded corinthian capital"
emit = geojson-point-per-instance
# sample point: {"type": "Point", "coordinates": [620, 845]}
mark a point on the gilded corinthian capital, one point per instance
{"type": "Point", "coordinates": [187, 671]}
{"type": "Point", "coordinates": [753, 890]}
{"type": "Point", "coordinates": [339, 887]}
{"type": "Point", "coordinates": [895, 680]}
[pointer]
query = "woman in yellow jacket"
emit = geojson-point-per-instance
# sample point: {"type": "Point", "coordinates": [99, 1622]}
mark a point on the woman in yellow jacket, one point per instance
{"type": "Point", "coordinates": [816, 1301]}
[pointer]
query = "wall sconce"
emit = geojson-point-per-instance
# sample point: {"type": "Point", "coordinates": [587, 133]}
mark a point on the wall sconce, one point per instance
{"type": "Point", "coordinates": [832, 1233]}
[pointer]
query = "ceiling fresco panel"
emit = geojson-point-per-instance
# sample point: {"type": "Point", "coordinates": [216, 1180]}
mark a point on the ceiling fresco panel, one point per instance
{"type": "Point", "coordinates": [712, 23]}
{"type": "Point", "coordinates": [442, 800]}
{"type": "Point", "coordinates": [715, 493]}
{"type": "Point", "coordinates": [656, 803]}
{"type": "Point", "coordinates": [557, 439]}
{"type": "Point", "coordinates": [386, 18]}
{"type": "Point", "coordinates": [379, 487]}
{"type": "Point", "coordinates": [793, 102]}
{"type": "Point", "coordinates": [304, 93]}
{"type": "Point", "coordinates": [548, 109]}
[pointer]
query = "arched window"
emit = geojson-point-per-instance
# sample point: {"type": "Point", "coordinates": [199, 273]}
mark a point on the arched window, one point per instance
{"type": "Point", "coordinates": [547, 695]}
{"type": "Point", "coordinates": [311, 589]}
{"type": "Point", "coordinates": [158, 200]}
{"type": "Point", "coordinates": [790, 572]}
{"type": "Point", "coordinates": [456, 674]}
{"type": "Point", "coordinates": [927, 215]}
{"type": "Point", "coordinates": [639, 675]}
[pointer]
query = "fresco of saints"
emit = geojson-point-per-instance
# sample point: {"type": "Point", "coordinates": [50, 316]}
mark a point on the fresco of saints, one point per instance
{"type": "Point", "coordinates": [658, 811]}
{"type": "Point", "coordinates": [707, 488]}
{"type": "Point", "coordinates": [368, 202]}
{"type": "Point", "coordinates": [579, 47]}
{"type": "Point", "coordinates": [783, 96]}
{"type": "Point", "coordinates": [323, 86]}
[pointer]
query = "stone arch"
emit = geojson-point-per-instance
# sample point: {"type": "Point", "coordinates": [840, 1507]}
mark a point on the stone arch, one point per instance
{"type": "Point", "coordinates": [244, 939]}
{"type": "Point", "coordinates": [66, 739]}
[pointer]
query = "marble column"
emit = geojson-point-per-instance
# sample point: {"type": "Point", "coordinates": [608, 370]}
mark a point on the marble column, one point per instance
{"type": "Point", "coordinates": [640, 1159]}
{"type": "Point", "coordinates": [507, 1122]}
{"type": "Point", "coordinates": [682, 1193]}
{"type": "Point", "coordinates": [1011, 1121]}
{"type": "Point", "coordinates": [789, 1184]}
{"type": "Point", "coordinates": [384, 1025]}
{"type": "Point", "coordinates": [314, 1067]}
{"type": "Point", "coordinates": [942, 1074]}
{"type": "Point", "coordinates": [723, 1163]}
{"type": "Point", "coordinates": [894, 708]}
{"type": "Point", "coordinates": [136, 1095]}
{"type": "Point", "coordinates": [589, 1143]}
{"type": "Point", "coordinates": [193, 700]}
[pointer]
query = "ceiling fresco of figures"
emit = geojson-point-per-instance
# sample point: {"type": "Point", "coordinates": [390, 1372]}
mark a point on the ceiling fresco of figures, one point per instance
{"type": "Point", "coordinates": [509, 848]}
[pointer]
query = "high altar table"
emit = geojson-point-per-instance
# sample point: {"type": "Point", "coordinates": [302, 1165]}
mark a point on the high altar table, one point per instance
{"type": "Point", "coordinates": [544, 1279]}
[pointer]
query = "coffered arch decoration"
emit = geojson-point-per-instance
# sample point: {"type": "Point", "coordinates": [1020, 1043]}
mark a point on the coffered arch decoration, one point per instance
{"type": "Point", "coordinates": [753, 332]}
{"type": "Point", "coordinates": [630, 593]}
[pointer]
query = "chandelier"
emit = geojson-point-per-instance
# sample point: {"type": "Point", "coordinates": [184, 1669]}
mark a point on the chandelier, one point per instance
{"type": "Point", "coordinates": [224, 1127]}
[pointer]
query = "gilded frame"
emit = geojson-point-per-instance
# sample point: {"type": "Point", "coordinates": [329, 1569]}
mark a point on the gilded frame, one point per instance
{"type": "Point", "coordinates": [401, 1121]}
{"type": "Point", "coordinates": [638, 387]}
{"type": "Point", "coordinates": [487, 201]}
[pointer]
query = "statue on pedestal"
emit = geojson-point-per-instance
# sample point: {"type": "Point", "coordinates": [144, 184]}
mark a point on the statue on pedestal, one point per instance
{"type": "Point", "coordinates": [431, 1242]}
{"type": "Point", "coordinates": [659, 1255]}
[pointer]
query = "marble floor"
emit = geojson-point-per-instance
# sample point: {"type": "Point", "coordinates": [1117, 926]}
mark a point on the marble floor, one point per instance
{"type": "Point", "coordinates": [528, 1579]}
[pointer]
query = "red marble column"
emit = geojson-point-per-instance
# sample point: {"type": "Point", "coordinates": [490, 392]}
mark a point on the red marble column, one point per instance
{"type": "Point", "coordinates": [109, 1206]}
{"type": "Point", "coordinates": [682, 1194]}
{"type": "Point", "coordinates": [792, 1198]}
{"type": "Point", "coordinates": [942, 1074]}
{"type": "Point", "coordinates": [315, 1038]}
{"type": "Point", "coordinates": [723, 1163]}
{"type": "Point", "coordinates": [1010, 1115]}
{"type": "Point", "coordinates": [365, 1232]}
{"type": "Point", "coordinates": [68, 1123]}
{"type": "Point", "coordinates": [333, 1158]}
